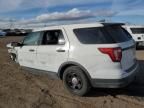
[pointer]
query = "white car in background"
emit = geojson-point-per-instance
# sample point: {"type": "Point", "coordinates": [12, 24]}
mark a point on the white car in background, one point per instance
{"type": "Point", "coordinates": [82, 55]}
{"type": "Point", "coordinates": [137, 33]}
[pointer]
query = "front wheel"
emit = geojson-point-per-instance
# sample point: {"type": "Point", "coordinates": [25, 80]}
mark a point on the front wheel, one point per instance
{"type": "Point", "coordinates": [76, 81]}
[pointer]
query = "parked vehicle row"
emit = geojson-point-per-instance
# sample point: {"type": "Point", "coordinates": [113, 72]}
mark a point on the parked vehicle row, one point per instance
{"type": "Point", "coordinates": [2, 34]}
{"type": "Point", "coordinates": [82, 55]}
{"type": "Point", "coordinates": [14, 32]}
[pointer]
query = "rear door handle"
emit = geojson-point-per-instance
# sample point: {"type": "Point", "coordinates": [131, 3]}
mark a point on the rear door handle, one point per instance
{"type": "Point", "coordinates": [31, 50]}
{"type": "Point", "coordinates": [60, 50]}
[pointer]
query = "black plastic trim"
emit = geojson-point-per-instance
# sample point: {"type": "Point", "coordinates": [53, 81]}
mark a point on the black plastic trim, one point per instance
{"type": "Point", "coordinates": [76, 64]}
{"type": "Point", "coordinates": [102, 83]}
{"type": "Point", "coordinates": [115, 83]}
{"type": "Point", "coordinates": [52, 75]}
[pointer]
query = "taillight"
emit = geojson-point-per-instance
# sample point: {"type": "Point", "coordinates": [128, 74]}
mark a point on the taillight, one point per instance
{"type": "Point", "coordinates": [114, 53]}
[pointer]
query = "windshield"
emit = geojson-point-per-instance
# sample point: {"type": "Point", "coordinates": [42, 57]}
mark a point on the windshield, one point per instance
{"type": "Point", "coordinates": [102, 35]}
{"type": "Point", "coordinates": [137, 30]}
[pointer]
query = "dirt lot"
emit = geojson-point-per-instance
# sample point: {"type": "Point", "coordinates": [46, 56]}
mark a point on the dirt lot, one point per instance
{"type": "Point", "coordinates": [20, 89]}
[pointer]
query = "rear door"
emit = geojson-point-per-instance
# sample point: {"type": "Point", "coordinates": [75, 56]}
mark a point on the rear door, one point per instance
{"type": "Point", "coordinates": [53, 50]}
{"type": "Point", "coordinates": [27, 52]}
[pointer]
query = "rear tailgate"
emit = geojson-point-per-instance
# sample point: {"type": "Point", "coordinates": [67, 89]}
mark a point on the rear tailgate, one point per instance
{"type": "Point", "coordinates": [128, 55]}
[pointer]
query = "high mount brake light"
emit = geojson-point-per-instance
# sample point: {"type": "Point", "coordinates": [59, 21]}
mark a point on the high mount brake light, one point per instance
{"type": "Point", "coordinates": [114, 53]}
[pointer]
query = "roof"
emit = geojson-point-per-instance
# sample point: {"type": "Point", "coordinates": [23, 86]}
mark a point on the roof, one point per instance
{"type": "Point", "coordinates": [96, 24]}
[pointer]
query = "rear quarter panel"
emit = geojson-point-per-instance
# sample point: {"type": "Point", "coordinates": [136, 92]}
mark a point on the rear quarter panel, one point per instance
{"type": "Point", "coordinates": [98, 65]}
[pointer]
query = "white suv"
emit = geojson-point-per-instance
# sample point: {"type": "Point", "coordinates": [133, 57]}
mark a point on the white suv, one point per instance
{"type": "Point", "coordinates": [82, 55]}
{"type": "Point", "coordinates": [137, 33]}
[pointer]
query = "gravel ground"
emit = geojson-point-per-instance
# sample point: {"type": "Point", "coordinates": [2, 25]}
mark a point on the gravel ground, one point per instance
{"type": "Point", "coordinates": [21, 89]}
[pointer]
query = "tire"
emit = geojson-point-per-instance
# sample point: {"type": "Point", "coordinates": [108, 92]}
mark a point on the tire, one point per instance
{"type": "Point", "coordinates": [76, 81]}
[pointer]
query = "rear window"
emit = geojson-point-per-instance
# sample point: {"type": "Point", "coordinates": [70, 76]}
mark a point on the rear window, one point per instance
{"type": "Point", "coordinates": [137, 30]}
{"type": "Point", "coordinates": [102, 35]}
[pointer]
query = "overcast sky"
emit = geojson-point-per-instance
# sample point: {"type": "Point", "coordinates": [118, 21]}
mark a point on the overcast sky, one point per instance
{"type": "Point", "coordinates": [40, 12]}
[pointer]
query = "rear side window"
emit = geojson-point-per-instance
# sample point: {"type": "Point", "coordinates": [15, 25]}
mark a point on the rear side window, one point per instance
{"type": "Point", "coordinates": [102, 35]}
{"type": "Point", "coordinates": [52, 37]}
{"type": "Point", "coordinates": [137, 30]}
{"type": "Point", "coordinates": [117, 33]}
{"type": "Point", "coordinates": [92, 36]}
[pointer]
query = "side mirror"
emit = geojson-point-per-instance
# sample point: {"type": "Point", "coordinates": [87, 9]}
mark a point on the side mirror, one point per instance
{"type": "Point", "coordinates": [19, 44]}
{"type": "Point", "coordinates": [61, 41]}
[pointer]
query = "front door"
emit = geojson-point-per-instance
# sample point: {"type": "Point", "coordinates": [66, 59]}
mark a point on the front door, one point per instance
{"type": "Point", "coordinates": [27, 52]}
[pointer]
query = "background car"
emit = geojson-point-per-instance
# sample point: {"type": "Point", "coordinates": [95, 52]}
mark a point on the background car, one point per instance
{"type": "Point", "coordinates": [2, 34]}
{"type": "Point", "coordinates": [137, 33]}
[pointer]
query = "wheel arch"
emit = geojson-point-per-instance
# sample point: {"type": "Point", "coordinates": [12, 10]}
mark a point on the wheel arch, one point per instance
{"type": "Point", "coordinates": [71, 63]}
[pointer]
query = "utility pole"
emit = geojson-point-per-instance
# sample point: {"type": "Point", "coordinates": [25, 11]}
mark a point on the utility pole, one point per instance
{"type": "Point", "coordinates": [11, 23]}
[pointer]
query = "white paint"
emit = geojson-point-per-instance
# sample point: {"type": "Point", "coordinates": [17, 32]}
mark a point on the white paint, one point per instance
{"type": "Point", "coordinates": [99, 65]}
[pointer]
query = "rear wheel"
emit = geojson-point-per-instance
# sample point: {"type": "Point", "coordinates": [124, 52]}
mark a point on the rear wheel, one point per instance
{"type": "Point", "coordinates": [76, 81]}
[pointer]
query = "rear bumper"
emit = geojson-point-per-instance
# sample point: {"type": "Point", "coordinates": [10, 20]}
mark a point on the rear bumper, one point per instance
{"type": "Point", "coordinates": [116, 83]}
{"type": "Point", "coordinates": [140, 43]}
